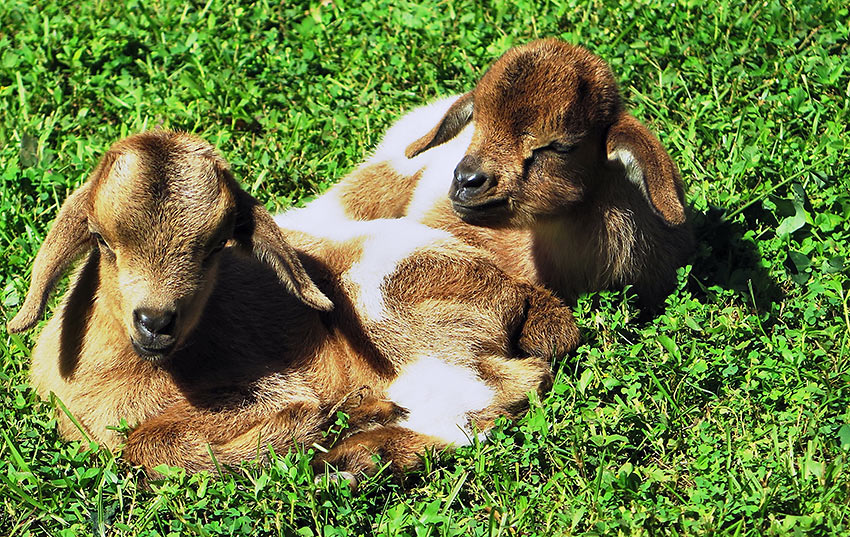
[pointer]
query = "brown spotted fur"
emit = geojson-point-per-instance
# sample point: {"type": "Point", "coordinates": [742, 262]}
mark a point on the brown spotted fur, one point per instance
{"type": "Point", "coordinates": [386, 200]}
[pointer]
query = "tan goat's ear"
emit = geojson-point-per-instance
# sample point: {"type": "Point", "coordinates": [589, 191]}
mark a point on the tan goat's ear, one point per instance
{"type": "Point", "coordinates": [455, 119]}
{"type": "Point", "coordinates": [67, 239]}
{"type": "Point", "coordinates": [257, 232]}
{"type": "Point", "coordinates": [648, 166]}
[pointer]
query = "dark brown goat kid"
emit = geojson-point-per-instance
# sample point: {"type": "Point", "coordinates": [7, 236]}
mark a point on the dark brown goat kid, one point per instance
{"type": "Point", "coordinates": [544, 167]}
{"type": "Point", "coordinates": [197, 319]}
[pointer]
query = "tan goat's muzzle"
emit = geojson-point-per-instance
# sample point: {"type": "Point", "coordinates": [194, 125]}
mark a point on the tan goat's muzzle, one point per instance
{"type": "Point", "coordinates": [154, 335]}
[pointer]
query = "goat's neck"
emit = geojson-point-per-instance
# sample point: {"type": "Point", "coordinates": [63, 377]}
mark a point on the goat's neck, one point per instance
{"type": "Point", "coordinates": [588, 246]}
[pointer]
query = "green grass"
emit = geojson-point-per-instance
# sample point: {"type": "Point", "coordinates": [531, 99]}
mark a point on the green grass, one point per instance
{"type": "Point", "coordinates": [728, 414]}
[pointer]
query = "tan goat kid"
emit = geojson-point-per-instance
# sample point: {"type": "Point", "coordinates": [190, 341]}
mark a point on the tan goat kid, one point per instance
{"type": "Point", "coordinates": [197, 318]}
{"type": "Point", "coordinates": [543, 167]}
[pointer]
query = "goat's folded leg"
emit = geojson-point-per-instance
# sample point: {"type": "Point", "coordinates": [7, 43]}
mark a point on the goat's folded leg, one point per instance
{"type": "Point", "coordinates": [364, 409]}
{"type": "Point", "coordinates": [184, 436]}
{"type": "Point", "coordinates": [398, 448]}
{"type": "Point", "coordinates": [534, 322]}
{"type": "Point", "coordinates": [514, 379]}
{"type": "Point", "coordinates": [549, 328]}
{"type": "Point", "coordinates": [169, 439]}
{"type": "Point", "coordinates": [401, 448]}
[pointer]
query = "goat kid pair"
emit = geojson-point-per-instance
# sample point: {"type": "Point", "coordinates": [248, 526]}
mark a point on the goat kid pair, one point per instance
{"type": "Point", "coordinates": [198, 318]}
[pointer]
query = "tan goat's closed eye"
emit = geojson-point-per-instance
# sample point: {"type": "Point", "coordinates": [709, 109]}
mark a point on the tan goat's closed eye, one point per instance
{"type": "Point", "coordinates": [101, 242]}
{"type": "Point", "coordinates": [218, 247]}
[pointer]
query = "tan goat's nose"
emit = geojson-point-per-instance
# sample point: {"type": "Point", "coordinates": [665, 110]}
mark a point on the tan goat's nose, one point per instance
{"type": "Point", "coordinates": [152, 322]}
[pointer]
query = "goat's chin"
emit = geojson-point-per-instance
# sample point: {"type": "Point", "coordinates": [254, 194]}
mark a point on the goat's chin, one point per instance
{"type": "Point", "coordinates": [154, 355]}
{"type": "Point", "coordinates": [494, 212]}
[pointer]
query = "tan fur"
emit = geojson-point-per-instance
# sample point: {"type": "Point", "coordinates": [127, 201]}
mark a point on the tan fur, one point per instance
{"type": "Point", "coordinates": [262, 356]}
{"type": "Point", "coordinates": [577, 193]}
{"type": "Point", "coordinates": [387, 200]}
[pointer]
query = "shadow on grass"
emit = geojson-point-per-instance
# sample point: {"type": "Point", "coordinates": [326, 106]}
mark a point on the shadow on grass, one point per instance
{"type": "Point", "coordinates": [727, 258]}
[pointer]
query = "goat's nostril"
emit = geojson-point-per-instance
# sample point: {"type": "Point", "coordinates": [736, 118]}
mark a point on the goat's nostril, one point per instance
{"type": "Point", "coordinates": [470, 180]}
{"type": "Point", "coordinates": [155, 322]}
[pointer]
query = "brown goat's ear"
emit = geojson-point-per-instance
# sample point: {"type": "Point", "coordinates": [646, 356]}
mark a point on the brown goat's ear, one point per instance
{"type": "Point", "coordinates": [67, 239]}
{"type": "Point", "coordinates": [454, 120]}
{"type": "Point", "coordinates": [648, 166]}
{"type": "Point", "coordinates": [257, 232]}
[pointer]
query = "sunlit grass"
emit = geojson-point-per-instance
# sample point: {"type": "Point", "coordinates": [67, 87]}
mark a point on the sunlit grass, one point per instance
{"type": "Point", "coordinates": [727, 414]}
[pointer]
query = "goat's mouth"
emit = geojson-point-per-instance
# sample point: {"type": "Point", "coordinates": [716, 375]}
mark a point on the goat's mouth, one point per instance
{"type": "Point", "coordinates": [155, 351]}
{"type": "Point", "coordinates": [489, 212]}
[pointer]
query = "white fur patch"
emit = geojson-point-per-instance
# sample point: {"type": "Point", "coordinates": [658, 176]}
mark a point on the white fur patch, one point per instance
{"type": "Point", "coordinates": [323, 217]}
{"type": "Point", "coordinates": [412, 126]}
{"type": "Point", "coordinates": [439, 163]}
{"type": "Point", "coordinates": [386, 243]}
{"type": "Point", "coordinates": [634, 173]}
{"type": "Point", "coordinates": [439, 396]}
{"type": "Point", "coordinates": [326, 215]}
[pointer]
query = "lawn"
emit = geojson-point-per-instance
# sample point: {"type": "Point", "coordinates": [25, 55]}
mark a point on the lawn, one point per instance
{"type": "Point", "coordinates": [726, 414]}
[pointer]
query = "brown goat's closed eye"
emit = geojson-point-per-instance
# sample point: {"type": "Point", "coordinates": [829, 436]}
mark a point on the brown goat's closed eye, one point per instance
{"type": "Point", "coordinates": [544, 167]}
{"type": "Point", "coordinates": [197, 319]}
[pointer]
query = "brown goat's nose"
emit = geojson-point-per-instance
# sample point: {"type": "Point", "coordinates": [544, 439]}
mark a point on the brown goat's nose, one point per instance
{"type": "Point", "coordinates": [470, 180]}
{"type": "Point", "coordinates": [151, 322]}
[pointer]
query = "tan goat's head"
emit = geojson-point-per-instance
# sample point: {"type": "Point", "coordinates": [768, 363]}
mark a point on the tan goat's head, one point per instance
{"type": "Point", "coordinates": [548, 121]}
{"type": "Point", "coordinates": [157, 211]}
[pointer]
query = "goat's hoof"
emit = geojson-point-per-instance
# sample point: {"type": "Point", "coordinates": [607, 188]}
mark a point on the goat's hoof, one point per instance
{"type": "Point", "coordinates": [371, 410]}
{"type": "Point", "coordinates": [549, 332]}
{"type": "Point", "coordinates": [346, 478]}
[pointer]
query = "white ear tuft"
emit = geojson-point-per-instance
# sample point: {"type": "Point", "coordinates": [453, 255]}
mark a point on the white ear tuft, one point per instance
{"type": "Point", "coordinates": [634, 173]}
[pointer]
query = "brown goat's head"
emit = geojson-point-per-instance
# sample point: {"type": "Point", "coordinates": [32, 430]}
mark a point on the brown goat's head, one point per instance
{"type": "Point", "coordinates": [158, 210]}
{"type": "Point", "coordinates": [547, 119]}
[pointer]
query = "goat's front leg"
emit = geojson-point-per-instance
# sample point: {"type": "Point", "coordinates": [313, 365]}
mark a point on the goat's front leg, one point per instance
{"type": "Point", "coordinates": [549, 328]}
{"type": "Point", "coordinates": [530, 320]}
{"type": "Point", "coordinates": [185, 436]}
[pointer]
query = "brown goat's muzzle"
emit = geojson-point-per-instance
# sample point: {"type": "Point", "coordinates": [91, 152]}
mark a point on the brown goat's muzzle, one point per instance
{"type": "Point", "coordinates": [492, 212]}
{"type": "Point", "coordinates": [474, 195]}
